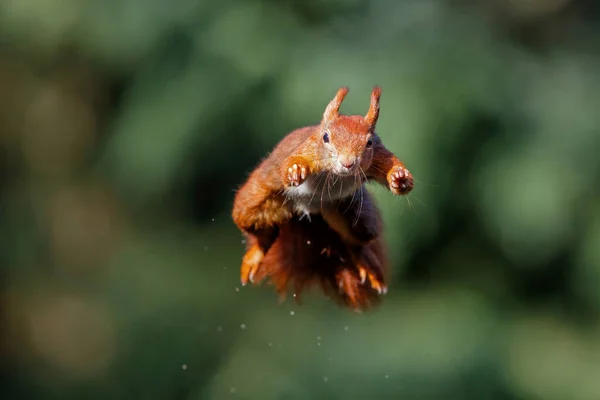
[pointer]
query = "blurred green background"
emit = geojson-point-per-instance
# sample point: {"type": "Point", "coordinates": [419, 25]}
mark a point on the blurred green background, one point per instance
{"type": "Point", "coordinates": [126, 126]}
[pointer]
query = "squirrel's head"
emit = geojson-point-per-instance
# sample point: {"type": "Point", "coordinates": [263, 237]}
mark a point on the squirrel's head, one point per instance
{"type": "Point", "coordinates": [348, 140]}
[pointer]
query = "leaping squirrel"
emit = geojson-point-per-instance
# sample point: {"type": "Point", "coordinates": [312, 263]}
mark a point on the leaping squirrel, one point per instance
{"type": "Point", "coordinates": [306, 214]}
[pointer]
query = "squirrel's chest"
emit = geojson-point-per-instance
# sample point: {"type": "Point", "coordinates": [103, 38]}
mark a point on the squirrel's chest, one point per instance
{"type": "Point", "coordinates": [319, 190]}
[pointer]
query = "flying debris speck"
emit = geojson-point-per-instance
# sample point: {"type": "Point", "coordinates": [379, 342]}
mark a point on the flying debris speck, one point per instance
{"type": "Point", "coordinates": [184, 367]}
{"type": "Point", "coordinates": [291, 313]}
{"type": "Point", "coordinates": [325, 379]}
{"type": "Point", "coordinates": [243, 326]}
{"type": "Point", "coordinates": [346, 328]}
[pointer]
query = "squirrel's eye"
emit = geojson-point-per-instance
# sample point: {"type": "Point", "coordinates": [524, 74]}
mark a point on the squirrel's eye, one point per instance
{"type": "Point", "coordinates": [369, 143]}
{"type": "Point", "coordinates": [326, 137]}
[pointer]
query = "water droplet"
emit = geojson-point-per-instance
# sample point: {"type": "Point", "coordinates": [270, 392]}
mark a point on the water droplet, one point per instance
{"type": "Point", "coordinates": [243, 326]}
{"type": "Point", "coordinates": [243, 242]}
{"type": "Point", "coordinates": [205, 248]}
{"type": "Point", "coordinates": [346, 328]}
{"type": "Point", "coordinates": [294, 294]}
{"type": "Point", "coordinates": [219, 329]}
{"type": "Point", "coordinates": [291, 313]}
{"type": "Point", "coordinates": [318, 337]}
{"type": "Point", "coordinates": [270, 344]}
{"type": "Point", "coordinates": [232, 389]}
{"type": "Point", "coordinates": [184, 367]}
{"type": "Point", "coordinates": [330, 359]}
{"type": "Point", "coordinates": [308, 242]}
{"type": "Point", "coordinates": [387, 376]}
{"type": "Point", "coordinates": [213, 220]}
{"type": "Point", "coordinates": [237, 289]}
{"type": "Point", "coordinates": [318, 343]}
{"type": "Point", "coordinates": [325, 379]}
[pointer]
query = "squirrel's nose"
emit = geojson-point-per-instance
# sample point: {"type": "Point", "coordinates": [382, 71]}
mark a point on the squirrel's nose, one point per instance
{"type": "Point", "coordinates": [347, 162]}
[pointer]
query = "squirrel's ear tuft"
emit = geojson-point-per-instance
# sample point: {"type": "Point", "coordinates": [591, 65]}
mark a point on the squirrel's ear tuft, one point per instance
{"type": "Point", "coordinates": [373, 113]}
{"type": "Point", "coordinates": [332, 110]}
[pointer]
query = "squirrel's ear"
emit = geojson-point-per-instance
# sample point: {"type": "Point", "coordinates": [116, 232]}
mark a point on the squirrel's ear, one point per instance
{"type": "Point", "coordinates": [332, 110]}
{"type": "Point", "coordinates": [373, 113]}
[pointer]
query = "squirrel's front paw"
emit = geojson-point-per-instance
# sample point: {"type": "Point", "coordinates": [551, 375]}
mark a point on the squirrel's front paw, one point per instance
{"type": "Point", "coordinates": [296, 174]}
{"type": "Point", "coordinates": [400, 180]}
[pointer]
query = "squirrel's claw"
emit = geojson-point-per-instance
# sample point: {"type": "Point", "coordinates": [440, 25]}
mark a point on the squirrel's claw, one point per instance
{"type": "Point", "coordinates": [250, 264]}
{"type": "Point", "coordinates": [375, 283]}
{"type": "Point", "coordinates": [297, 174]}
{"type": "Point", "coordinates": [363, 275]}
{"type": "Point", "coordinates": [401, 180]}
{"type": "Point", "coordinates": [247, 273]}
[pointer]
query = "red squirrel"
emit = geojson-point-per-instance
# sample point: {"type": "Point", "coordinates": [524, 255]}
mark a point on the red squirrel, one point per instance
{"type": "Point", "coordinates": [306, 213]}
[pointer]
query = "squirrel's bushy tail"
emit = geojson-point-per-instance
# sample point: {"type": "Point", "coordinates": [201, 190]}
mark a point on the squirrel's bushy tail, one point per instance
{"type": "Point", "coordinates": [308, 253]}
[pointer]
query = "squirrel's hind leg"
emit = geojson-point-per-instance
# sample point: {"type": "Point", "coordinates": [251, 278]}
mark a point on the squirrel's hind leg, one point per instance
{"type": "Point", "coordinates": [258, 211]}
{"type": "Point", "coordinates": [359, 224]}
{"type": "Point", "coordinates": [370, 266]}
{"type": "Point", "coordinates": [258, 244]}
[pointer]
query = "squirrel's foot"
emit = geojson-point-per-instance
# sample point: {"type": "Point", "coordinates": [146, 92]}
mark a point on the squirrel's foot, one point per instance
{"type": "Point", "coordinates": [297, 174]}
{"type": "Point", "coordinates": [400, 180]}
{"type": "Point", "coordinates": [375, 283]}
{"type": "Point", "coordinates": [250, 264]}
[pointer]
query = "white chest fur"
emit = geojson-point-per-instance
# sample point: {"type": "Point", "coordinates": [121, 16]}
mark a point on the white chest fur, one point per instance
{"type": "Point", "coordinates": [318, 191]}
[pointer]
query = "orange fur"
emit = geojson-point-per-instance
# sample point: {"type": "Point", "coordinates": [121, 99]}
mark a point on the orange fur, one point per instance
{"type": "Point", "coordinates": [307, 254]}
{"type": "Point", "coordinates": [311, 188]}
